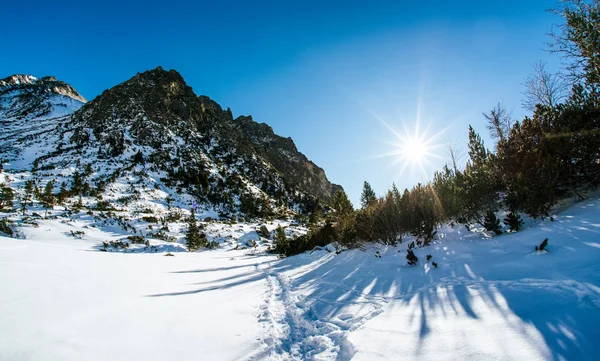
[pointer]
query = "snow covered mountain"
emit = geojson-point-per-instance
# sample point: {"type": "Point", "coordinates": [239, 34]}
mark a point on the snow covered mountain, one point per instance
{"type": "Point", "coordinates": [30, 109]}
{"type": "Point", "coordinates": [152, 133]}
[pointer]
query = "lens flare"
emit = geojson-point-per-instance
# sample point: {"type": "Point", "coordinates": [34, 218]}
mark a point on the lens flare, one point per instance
{"type": "Point", "coordinates": [414, 148]}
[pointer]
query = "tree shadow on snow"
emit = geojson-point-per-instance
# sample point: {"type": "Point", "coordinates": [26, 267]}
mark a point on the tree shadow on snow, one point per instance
{"type": "Point", "coordinates": [548, 312]}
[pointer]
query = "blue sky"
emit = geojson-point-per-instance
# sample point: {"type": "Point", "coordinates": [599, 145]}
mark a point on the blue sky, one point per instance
{"type": "Point", "coordinates": [324, 73]}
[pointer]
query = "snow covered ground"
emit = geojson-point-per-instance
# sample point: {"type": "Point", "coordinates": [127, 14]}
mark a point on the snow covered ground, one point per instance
{"type": "Point", "coordinates": [488, 299]}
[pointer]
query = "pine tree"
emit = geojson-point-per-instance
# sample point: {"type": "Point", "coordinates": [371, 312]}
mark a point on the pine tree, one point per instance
{"type": "Point", "coordinates": [479, 188]}
{"type": "Point", "coordinates": [342, 217]}
{"type": "Point", "coordinates": [63, 193]}
{"type": "Point", "coordinates": [368, 197]}
{"type": "Point", "coordinates": [27, 197]}
{"type": "Point", "coordinates": [194, 240]}
{"type": "Point", "coordinates": [514, 221]}
{"type": "Point", "coordinates": [492, 223]}
{"type": "Point", "coordinates": [282, 244]}
{"type": "Point", "coordinates": [6, 197]}
{"type": "Point", "coordinates": [78, 205]}
{"type": "Point", "coordinates": [580, 39]}
{"type": "Point", "coordinates": [77, 184]}
{"type": "Point", "coordinates": [47, 197]}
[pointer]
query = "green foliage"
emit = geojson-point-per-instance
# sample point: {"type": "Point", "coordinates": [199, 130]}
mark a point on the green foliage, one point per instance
{"type": "Point", "coordinates": [388, 213]}
{"type": "Point", "coordinates": [136, 239]}
{"type": "Point", "coordinates": [6, 197]}
{"type": "Point", "coordinates": [342, 217]}
{"type": "Point", "coordinates": [27, 198]}
{"type": "Point", "coordinates": [492, 223]}
{"type": "Point", "coordinates": [150, 219]}
{"type": "Point", "coordinates": [104, 206]}
{"type": "Point", "coordinates": [447, 185]}
{"type": "Point", "coordinates": [316, 237]}
{"type": "Point", "coordinates": [194, 240]}
{"type": "Point", "coordinates": [63, 194]}
{"type": "Point", "coordinates": [552, 155]}
{"type": "Point", "coordinates": [282, 243]}
{"type": "Point", "coordinates": [514, 221]}
{"type": "Point", "coordinates": [478, 189]}
{"type": "Point", "coordinates": [78, 184]}
{"type": "Point", "coordinates": [47, 197]}
{"type": "Point", "coordinates": [580, 39]}
{"type": "Point", "coordinates": [6, 227]}
{"type": "Point", "coordinates": [368, 196]}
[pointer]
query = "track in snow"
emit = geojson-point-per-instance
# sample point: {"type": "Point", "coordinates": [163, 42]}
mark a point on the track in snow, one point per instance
{"type": "Point", "coordinates": [292, 331]}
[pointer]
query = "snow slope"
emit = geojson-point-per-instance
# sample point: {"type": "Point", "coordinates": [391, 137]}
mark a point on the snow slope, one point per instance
{"type": "Point", "coordinates": [489, 299]}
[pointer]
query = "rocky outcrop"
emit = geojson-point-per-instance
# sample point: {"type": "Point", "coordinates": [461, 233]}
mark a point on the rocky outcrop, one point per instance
{"type": "Point", "coordinates": [158, 109]}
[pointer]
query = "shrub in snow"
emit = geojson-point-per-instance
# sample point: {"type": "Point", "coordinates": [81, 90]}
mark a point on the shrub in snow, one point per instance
{"type": "Point", "coordinates": [428, 257]}
{"type": "Point", "coordinates": [410, 255]}
{"type": "Point", "coordinates": [5, 227]}
{"type": "Point", "coordinates": [434, 264]}
{"type": "Point", "coordinates": [136, 239]}
{"type": "Point", "coordinates": [513, 220]}
{"type": "Point", "coordinates": [263, 231]}
{"type": "Point", "coordinates": [212, 245]}
{"type": "Point", "coordinates": [114, 244]}
{"type": "Point", "coordinates": [492, 223]}
{"type": "Point", "coordinates": [77, 234]}
{"type": "Point", "coordinates": [542, 246]}
{"type": "Point", "coordinates": [427, 234]}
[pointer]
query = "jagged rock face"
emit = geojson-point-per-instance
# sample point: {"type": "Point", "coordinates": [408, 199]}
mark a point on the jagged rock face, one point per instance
{"type": "Point", "coordinates": [157, 109]}
{"type": "Point", "coordinates": [285, 157]}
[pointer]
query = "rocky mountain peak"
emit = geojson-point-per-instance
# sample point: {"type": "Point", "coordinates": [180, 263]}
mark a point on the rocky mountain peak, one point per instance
{"type": "Point", "coordinates": [159, 111]}
{"type": "Point", "coordinates": [46, 85]}
{"type": "Point", "coordinates": [16, 80]}
{"type": "Point", "coordinates": [27, 97]}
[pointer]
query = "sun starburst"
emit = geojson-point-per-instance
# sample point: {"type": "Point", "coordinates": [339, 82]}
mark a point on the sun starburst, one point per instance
{"type": "Point", "coordinates": [414, 148]}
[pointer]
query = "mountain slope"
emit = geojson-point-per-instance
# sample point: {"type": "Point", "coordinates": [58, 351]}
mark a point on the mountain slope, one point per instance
{"type": "Point", "coordinates": [488, 299]}
{"type": "Point", "coordinates": [30, 110]}
{"type": "Point", "coordinates": [153, 134]}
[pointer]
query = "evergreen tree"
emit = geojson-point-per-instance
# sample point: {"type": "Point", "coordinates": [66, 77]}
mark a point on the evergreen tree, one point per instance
{"type": "Point", "coordinates": [63, 194]}
{"type": "Point", "coordinates": [77, 186]}
{"type": "Point", "coordinates": [47, 197]}
{"type": "Point", "coordinates": [514, 221]}
{"type": "Point", "coordinates": [368, 197]}
{"type": "Point", "coordinates": [342, 216]}
{"type": "Point", "coordinates": [27, 197]}
{"type": "Point", "coordinates": [6, 197]}
{"type": "Point", "coordinates": [530, 167]}
{"type": "Point", "coordinates": [194, 240]}
{"type": "Point", "coordinates": [492, 223]}
{"type": "Point", "coordinates": [282, 244]}
{"type": "Point", "coordinates": [479, 188]}
{"type": "Point", "coordinates": [580, 39]}
{"type": "Point", "coordinates": [446, 185]}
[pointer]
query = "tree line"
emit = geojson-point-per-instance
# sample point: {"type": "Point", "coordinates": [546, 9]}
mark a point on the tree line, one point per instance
{"type": "Point", "coordinates": [539, 160]}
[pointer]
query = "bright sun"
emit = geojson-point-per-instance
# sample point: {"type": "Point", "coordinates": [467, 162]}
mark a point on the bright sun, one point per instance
{"type": "Point", "coordinates": [413, 149]}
